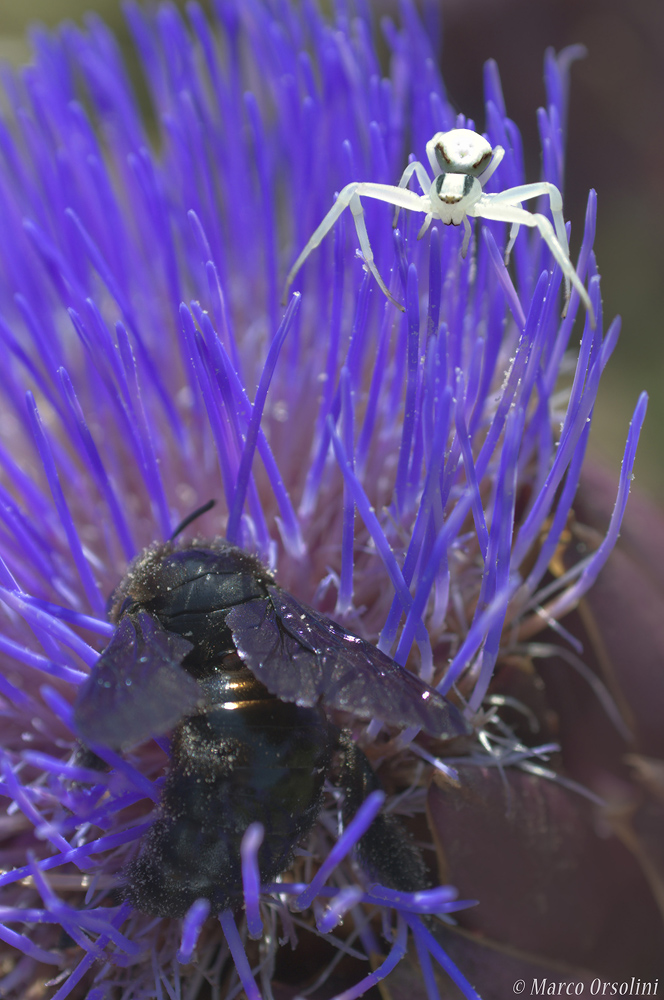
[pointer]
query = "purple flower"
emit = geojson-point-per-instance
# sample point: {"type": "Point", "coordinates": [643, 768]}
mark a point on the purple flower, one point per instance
{"type": "Point", "coordinates": [411, 475]}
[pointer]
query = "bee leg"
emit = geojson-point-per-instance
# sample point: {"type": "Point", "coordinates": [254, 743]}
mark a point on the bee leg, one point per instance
{"type": "Point", "coordinates": [86, 758]}
{"type": "Point", "coordinates": [386, 851]}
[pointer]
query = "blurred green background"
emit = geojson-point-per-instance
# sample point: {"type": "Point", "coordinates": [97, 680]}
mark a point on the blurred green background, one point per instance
{"type": "Point", "coordinates": [616, 145]}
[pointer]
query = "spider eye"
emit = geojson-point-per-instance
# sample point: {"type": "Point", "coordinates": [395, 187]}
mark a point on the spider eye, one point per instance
{"type": "Point", "coordinates": [462, 151]}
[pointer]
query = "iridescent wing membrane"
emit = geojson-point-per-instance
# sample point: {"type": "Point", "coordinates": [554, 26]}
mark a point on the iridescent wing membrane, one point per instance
{"type": "Point", "coordinates": [302, 656]}
{"type": "Point", "coordinates": [137, 687]}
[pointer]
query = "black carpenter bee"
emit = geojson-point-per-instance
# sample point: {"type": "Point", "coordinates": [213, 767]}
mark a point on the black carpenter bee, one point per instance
{"type": "Point", "coordinates": [209, 646]}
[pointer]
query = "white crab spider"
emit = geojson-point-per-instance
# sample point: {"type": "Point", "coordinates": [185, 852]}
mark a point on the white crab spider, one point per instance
{"type": "Point", "coordinates": [462, 162]}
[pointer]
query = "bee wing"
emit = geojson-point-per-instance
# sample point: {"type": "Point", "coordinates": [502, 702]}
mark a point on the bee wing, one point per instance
{"type": "Point", "coordinates": [302, 656]}
{"type": "Point", "coordinates": [137, 687]}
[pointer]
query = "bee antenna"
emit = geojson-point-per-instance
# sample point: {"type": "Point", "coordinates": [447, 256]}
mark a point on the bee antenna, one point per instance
{"type": "Point", "coordinates": [192, 517]}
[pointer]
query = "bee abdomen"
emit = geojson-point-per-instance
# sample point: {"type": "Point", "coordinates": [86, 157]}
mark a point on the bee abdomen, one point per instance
{"type": "Point", "coordinates": [262, 761]}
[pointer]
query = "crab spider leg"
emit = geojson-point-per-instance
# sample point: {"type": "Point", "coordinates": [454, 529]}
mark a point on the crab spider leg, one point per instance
{"type": "Point", "coordinates": [365, 246]}
{"type": "Point", "coordinates": [466, 236]}
{"type": "Point", "coordinates": [515, 195]}
{"type": "Point", "coordinates": [486, 208]}
{"type": "Point", "coordinates": [425, 225]}
{"type": "Point", "coordinates": [420, 172]}
{"type": "Point", "coordinates": [514, 232]}
{"type": "Point", "coordinates": [424, 181]}
{"type": "Point", "coordinates": [350, 196]}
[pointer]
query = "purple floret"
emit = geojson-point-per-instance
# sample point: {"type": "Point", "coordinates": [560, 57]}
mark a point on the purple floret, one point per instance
{"type": "Point", "coordinates": [410, 475]}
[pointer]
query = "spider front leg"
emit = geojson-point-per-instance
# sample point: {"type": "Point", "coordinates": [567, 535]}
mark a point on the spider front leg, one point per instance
{"type": "Point", "coordinates": [517, 195]}
{"type": "Point", "coordinates": [350, 197]}
{"type": "Point", "coordinates": [424, 181]}
{"type": "Point", "coordinates": [319, 234]}
{"type": "Point", "coordinates": [489, 207]}
{"type": "Point", "coordinates": [365, 246]}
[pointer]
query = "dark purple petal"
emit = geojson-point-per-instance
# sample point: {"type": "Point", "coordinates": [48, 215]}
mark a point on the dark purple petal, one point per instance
{"type": "Point", "coordinates": [548, 883]}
